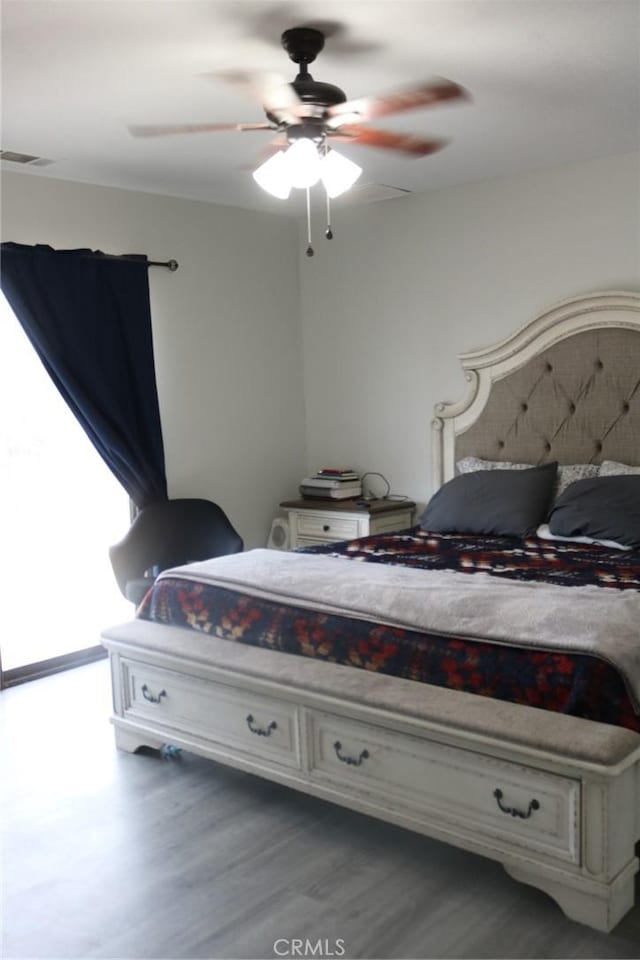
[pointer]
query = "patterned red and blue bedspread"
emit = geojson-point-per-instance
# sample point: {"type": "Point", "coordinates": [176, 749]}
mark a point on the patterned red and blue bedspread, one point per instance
{"type": "Point", "coordinates": [577, 684]}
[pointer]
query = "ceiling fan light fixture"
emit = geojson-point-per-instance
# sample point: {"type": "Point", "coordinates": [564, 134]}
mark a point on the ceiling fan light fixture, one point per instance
{"type": "Point", "coordinates": [274, 176]}
{"type": "Point", "coordinates": [338, 173]}
{"type": "Point", "coordinates": [303, 163]}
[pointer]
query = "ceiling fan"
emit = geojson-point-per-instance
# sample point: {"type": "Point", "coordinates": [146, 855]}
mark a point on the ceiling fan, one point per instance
{"type": "Point", "coordinates": [314, 109]}
{"type": "Point", "coordinates": [307, 114]}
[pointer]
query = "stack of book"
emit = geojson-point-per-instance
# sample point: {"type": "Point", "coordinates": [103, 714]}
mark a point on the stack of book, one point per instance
{"type": "Point", "coordinates": [332, 483]}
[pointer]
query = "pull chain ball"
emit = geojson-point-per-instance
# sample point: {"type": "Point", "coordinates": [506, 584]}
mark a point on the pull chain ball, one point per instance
{"type": "Point", "coordinates": [329, 233]}
{"type": "Point", "coordinates": [310, 251]}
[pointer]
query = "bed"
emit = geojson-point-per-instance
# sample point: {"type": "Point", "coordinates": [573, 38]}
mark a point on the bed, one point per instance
{"type": "Point", "coordinates": [287, 665]}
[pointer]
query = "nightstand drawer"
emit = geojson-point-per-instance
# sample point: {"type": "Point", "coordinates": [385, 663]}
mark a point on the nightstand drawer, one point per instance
{"type": "Point", "coordinates": [325, 526]}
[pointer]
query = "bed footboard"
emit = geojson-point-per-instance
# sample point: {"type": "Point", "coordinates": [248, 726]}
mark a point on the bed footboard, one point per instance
{"type": "Point", "coordinates": [554, 798]}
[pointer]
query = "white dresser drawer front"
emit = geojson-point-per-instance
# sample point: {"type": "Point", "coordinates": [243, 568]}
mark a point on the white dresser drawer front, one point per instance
{"type": "Point", "coordinates": [325, 526]}
{"type": "Point", "coordinates": [508, 802]}
{"type": "Point", "coordinates": [227, 715]}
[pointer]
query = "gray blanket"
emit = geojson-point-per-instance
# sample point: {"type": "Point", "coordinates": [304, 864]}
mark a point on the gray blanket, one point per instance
{"type": "Point", "coordinates": [590, 620]}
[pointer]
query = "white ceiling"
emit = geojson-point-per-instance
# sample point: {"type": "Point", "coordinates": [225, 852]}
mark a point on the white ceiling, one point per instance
{"type": "Point", "coordinates": [552, 83]}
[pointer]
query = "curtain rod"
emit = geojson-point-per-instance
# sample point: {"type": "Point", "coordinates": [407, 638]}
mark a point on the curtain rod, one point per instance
{"type": "Point", "coordinates": [171, 265]}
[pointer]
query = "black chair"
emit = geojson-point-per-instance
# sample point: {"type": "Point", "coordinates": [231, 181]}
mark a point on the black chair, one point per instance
{"type": "Point", "coordinates": [168, 534]}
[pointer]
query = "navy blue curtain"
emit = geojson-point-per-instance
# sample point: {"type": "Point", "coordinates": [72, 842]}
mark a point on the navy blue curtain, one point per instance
{"type": "Point", "coordinates": [89, 319]}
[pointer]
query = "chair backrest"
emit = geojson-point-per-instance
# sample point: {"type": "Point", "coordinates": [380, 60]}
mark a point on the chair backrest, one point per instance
{"type": "Point", "coordinates": [171, 533]}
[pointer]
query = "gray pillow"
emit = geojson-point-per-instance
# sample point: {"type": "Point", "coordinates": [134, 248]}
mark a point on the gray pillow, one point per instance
{"type": "Point", "coordinates": [567, 473]}
{"type": "Point", "coordinates": [607, 508]}
{"type": "Point", "coordinates": [501, 503]}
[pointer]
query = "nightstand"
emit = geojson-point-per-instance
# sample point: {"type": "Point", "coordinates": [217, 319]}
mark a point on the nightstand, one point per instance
{"type": "Point", "coordinates": [324, 521]}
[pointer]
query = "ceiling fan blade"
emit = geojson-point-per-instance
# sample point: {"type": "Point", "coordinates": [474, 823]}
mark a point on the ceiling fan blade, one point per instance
{"type": "Point", "coordinates": [387, 140]}
{"type": "Point", "coordinates": [278, 97]}
{"type": "Point", "coordinates": [272, 90]}
{"type": "Point", "coordinates": [154, 130]}
{"type": "Point", "coordinates": [369, 108]}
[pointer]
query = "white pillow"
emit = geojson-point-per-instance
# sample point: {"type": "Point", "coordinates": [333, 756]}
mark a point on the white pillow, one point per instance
{"type": "Point", "coordinates": [544, 533]}
{"type": "Point", "coordinates": [471, 464]}
{"type": "Point", "coordinates": [610, 468]}
{"type": "Point", "coordinates": [567, 473]}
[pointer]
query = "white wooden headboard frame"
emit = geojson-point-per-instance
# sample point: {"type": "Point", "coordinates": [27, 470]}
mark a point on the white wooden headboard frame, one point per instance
{"type": "Point", "coordinates": [483, 368]}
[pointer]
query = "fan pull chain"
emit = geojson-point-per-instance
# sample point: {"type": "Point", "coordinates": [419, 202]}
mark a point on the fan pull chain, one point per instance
{"type": "Point", "coordinates": [328, 232]}
{"type": "Point", "coordinates": [310, 250]}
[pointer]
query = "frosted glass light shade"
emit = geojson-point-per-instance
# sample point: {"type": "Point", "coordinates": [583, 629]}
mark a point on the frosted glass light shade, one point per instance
{"type": "Point", "coordinates": [274, 177]}
{"type": "Point", "coordinates": [302, 166]}
{"type": "Point", "coordinates": [303, 163]}
{"type": "Point", "coordinates": [338, 173]}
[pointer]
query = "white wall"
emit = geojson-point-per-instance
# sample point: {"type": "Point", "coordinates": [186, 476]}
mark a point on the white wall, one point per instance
{"type": "Point", "coordinates": [408, 284]}
{"type": "Point", "coordinates": [386, 306]}
{"type": "Point", "coordinates": [225, 327]}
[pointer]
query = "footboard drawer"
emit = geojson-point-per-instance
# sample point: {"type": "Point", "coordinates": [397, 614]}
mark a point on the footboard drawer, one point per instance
{"type": "Point", "coordinates": [264, 727]}
{"type": "Point", "coordinates": [508, 802]}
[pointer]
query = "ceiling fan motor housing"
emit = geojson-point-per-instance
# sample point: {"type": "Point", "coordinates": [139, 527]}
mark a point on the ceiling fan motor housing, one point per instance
{"type": "Point", "coordinates": [315, 91]}
{"type": "Point", "coordinates": [303, 44]}
{"type": "Point", "coordinates": [316, 94]}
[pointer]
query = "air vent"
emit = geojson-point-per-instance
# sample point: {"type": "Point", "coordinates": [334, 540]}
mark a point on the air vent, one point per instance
{"type": "Point", "coordinates": [12, 157]}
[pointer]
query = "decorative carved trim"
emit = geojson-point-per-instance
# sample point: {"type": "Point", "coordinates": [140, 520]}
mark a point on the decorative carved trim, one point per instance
{"type": "Point", "coordinates": [617, 308]}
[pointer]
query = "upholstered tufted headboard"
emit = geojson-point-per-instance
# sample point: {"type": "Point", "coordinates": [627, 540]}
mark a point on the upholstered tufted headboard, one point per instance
{"type": "Point", "coordinates": [565, 387]}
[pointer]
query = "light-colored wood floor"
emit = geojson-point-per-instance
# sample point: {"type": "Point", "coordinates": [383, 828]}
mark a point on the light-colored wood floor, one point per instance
{"type": "Point", "coordinates": [117, 856]}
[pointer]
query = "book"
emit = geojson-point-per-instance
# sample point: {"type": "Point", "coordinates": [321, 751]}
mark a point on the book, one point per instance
{"type": "Point", "coordinates": [343, 472]}
{"type": "Point", "coordinates": [338, 493]}
{"type": "Point", "coordinates": [330, 483]}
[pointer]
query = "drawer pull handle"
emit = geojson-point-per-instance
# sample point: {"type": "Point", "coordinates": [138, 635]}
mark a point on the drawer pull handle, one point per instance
{"type": "Point", "coordinates": [326, 527]}
{"type": "Point", "coordinates": [351, 761]}
{"type": "Point", "coordinates": [513, 811]}
{"type": "Point", "coordinates": [146, 693]}
{"type": "Point", "coordinates": [261, 731]}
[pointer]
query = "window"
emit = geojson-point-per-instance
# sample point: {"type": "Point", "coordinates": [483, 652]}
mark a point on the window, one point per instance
{"type": "Point", "coordinates": [61, 509]}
